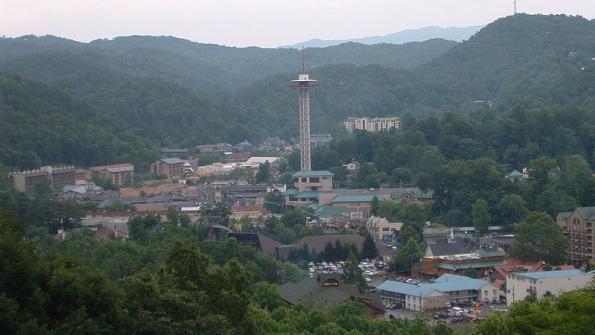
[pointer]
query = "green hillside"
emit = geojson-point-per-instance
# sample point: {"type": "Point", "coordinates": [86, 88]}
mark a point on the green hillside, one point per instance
{"type": "Point", "coordinates": [164, 91]}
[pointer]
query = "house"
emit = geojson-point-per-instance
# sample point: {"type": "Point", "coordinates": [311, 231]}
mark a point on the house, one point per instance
{"type": "Point", "coordinates": [520, 285]}
{"type": "Point", "coordinates": [327, 291]}
{"type": "Point", "coordinates": [172, 168]}
{"type": "Point", "coordinates": [118, 174]}
{"type": "Point", "coordinates": [578, 228]}
{"type": "Point", "coordinates": [452, 258]}
{"type": "Point", "coordinates": [448, 289]}
{"type": "Point", "coordinates": [382, 230]}
{"type": "Point", "coordinates": [515, 175]}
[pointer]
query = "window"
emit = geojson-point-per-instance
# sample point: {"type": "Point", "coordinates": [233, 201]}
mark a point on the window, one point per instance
{"type": "Point", "coordinates": [315, 180]}
{"type": "Point", "coordinates": [296, 180]}
{"type": "Point", "coordinates": [304, 180]}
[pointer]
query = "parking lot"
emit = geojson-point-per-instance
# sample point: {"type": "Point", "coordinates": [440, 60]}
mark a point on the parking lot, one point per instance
{"type": "Point", "coordinates": [458, 323]}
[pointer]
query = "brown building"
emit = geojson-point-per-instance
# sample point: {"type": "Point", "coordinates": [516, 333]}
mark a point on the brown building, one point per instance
{"type": "Point", "coordinates": [452, 258]}
{"type": "Point", "coordinates": [578, 228]}
{"type": "Point", "coordinates": [118, 174]}
{"type": "Point", "coordinates": [172, 168]}
{"type": "Point", "coordinates": [325, 291]}
{"type": "Point", "coordinates": [58, 177]}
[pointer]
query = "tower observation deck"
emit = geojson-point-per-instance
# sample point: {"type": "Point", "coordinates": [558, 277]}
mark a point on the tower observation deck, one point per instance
{"type": "Point", "coordinates": [304, 84]}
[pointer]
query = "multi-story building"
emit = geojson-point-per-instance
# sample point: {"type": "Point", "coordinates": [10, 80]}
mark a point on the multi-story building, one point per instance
{"type": "Point", "coordinates": [519, 285]}
{"type": "Point", "coordinates": [118, 174]}
{"type": "Point", "coordinates": [309, 185]}
{"type": "Point", "coordinates": [317, 181]}
{"type": "Point", "coordinates": [383, 230]}
{"type": "Point", "coordinates": [169, 167]}
{"type": "Point", "coordinates": [446, 289]}
{"type": "Point", "coordinates": [376, 124]}
{"type": "Point", "coordinates": [57, 177]}
{"type": "Point", "coordinates": [578, 228]}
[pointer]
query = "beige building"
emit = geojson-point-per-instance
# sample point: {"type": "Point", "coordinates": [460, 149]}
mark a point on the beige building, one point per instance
{"type": "Point", "coordinates": [520, 285]}
{"type": "Point", "coordinates": [313, 181]}
{"type": "Point", "coordinates": [310, 187]}
{"type": "Point", "coordinates": [446, 289]}
{"type": "Point", "coordinates": [374, 125]}
{"type": "Point", "coordinates": [118, 174]}
{"type": "Point", "coordinates": [578, 228]}
{"type": "Point", "coordinates": [58, 177]}
{"type": "Point", "coordinates": [171, 168]}
{"type": "Point", "coordinates": [381, 229]}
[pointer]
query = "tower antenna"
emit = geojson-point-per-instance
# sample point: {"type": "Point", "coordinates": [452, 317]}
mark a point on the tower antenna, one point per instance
{"type": "Point", "coordinates": [304, 84]}
{"type": "Point", "coordinates": [303, 60]}
{"type": "Point", "coordinates": [514, 7]}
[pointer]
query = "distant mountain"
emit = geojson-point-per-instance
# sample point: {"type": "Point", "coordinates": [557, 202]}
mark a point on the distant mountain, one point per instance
{"type": "Point", "coordinates": [457, 34]}
{"type": "Point", "coordinates": [203, 68]}
{"type": "Point", "coordinates": [134, 94]}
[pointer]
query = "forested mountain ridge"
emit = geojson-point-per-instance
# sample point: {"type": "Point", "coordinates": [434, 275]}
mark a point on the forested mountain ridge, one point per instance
{"type": "Point", "coordinates": [41, 125]}
{"type": "Point", "coordinates": [516, 55]}
{"type": "Point", "coordinates": [208, 68]}
{"type": "Point", "coordinates": [164, 91]}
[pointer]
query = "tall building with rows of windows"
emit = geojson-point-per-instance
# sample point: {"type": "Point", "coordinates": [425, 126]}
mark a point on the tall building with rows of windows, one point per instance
{"type": "Point", "coordinates": [374, 125]}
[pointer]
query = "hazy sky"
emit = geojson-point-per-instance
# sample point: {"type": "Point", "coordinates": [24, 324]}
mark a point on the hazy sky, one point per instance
{"type": "Point", "coordinates": [268, 23]}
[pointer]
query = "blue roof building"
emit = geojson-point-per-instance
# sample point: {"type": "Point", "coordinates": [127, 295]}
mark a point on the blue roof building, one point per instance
{"type": "Point", "coordinates": [448, 289]}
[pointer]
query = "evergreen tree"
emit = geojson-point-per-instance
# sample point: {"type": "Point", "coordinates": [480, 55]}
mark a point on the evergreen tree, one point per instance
{"type": "Point", "coordinates": [481, 216]}
{"type": "Point", "coordinates": [369, 250]}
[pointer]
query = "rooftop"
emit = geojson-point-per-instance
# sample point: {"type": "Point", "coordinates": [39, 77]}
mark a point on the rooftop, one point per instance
{"type": "Point", "coordinates": [356, 198]}
{"type": "Point", "coordinates": [553, 274]}
{"type": "Point", "coordinates": [172, 161]}
{"type": "Point", "coordinates": [446, 283]}
{"type": "Point", "coordinates": [300, 174]}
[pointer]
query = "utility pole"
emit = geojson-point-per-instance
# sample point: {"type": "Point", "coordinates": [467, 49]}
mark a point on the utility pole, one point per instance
{"type": "Point", "coordinates": [514, 7]}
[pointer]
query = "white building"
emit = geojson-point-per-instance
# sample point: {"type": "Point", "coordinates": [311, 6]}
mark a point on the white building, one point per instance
{"type": "Point", "coordinates": [539, 284]}
{"type": "Point", "coordinates": [446, 289]}
{"type": "Point", "coordinates": [374, 125]}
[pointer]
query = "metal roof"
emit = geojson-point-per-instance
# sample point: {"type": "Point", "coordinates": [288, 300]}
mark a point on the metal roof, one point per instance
{"type": "Point", "coordinates": [300, 174]}
{"type": "Point", "coordinates": [172, 161]}
{"type": "Point", "coordinates": [356, 198]}
{"type": "Point", "coordinates": [553, 274]}
{"type": "Point", "coordinates": [446, 283]}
